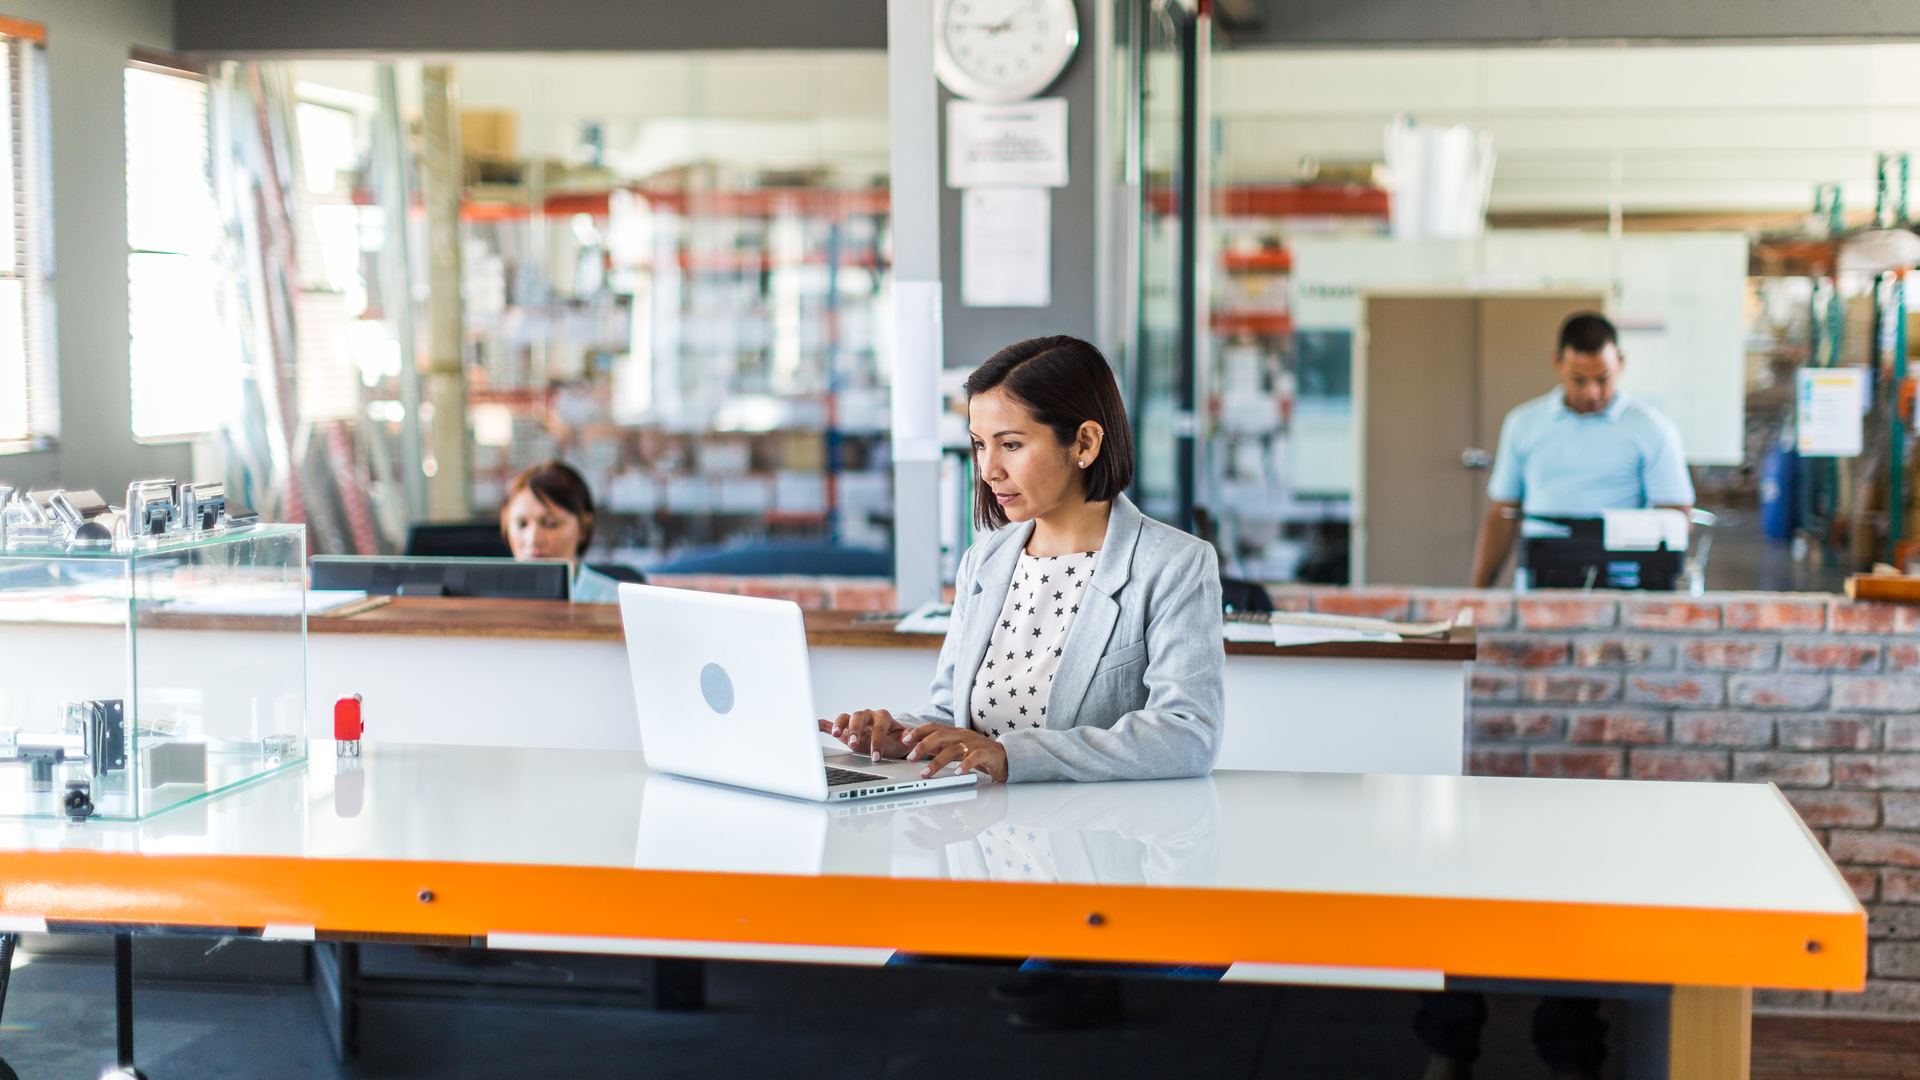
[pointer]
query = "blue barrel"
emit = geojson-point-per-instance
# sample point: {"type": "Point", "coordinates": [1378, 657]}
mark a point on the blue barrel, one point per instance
{"type": "Point", "coordinates": [1779, 491]}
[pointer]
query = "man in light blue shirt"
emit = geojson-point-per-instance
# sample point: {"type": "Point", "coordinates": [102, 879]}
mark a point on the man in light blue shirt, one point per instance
{"type": "Point", "coordinates": [1584, 448]}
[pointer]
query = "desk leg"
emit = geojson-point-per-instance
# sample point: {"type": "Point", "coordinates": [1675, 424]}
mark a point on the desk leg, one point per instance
{"type": "Point", "coordinates": [679, 984]}
{"type": "Point", "coordinates": [123, 1003]}
{"type": "Point", "coordinates": [1710, 1036]}
{"type": "Point", "coordinates": [336, 988]}
{"type": "Point", "coordinates": [7, 942]}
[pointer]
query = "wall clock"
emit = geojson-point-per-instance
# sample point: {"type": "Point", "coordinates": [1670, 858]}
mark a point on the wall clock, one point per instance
{"type": "Point", "coordinates": [1003, 50]}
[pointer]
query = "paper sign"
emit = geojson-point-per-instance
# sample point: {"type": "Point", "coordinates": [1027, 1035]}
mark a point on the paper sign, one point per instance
{"type": "Point", "coordinates": [916, 371]}
{"type": "Point", "coordinates": [1832, 405]}
{"type": "Point", "coordinates": [1019, 144]}
{"type": "Point", "coordinates": [1006, 247]}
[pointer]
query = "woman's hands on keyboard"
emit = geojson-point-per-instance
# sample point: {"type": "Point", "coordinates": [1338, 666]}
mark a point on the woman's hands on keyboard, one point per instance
{"type": "Point", "coordinates": [940, 746]}
{"type": "Point", "coordinates": [873, 732]}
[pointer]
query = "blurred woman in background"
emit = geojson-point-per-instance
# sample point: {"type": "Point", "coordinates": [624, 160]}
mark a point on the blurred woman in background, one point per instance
{"type": "Point", "coordinates": [549, 515]}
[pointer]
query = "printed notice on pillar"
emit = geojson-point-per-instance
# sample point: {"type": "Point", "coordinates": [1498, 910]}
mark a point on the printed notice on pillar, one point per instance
{"type": "Point", "coordinates": [1832, 405]}
{"type": "Point", "coordinates": [1019, 144]}
{"type": "Point", "coordinates": [1006, 247]}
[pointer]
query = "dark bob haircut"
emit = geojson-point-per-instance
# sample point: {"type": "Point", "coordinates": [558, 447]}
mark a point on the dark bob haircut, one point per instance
{"type": "Point", "coordinates": [1586, 332]}
{"type": "Point", "coordinates": [559, 486]}
{"type": "Point", "coordinates": [1064, 382]}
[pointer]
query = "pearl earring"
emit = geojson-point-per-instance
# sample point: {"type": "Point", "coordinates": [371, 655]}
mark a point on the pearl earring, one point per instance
{"type": "Point", "coordinates": [1083, 464]}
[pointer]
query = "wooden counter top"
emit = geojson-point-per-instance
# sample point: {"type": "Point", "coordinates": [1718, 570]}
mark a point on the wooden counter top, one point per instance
{"type": "Point", "coordinates": [441, 616]}
{"type": "Point", "coordinates": [448, 617]}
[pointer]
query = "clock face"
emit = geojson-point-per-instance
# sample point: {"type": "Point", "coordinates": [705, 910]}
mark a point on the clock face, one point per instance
{"type": "Point", "coordinates": [1004, 50]}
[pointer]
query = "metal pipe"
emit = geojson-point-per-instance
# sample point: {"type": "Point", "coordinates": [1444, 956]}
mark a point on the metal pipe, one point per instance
{"type": "Point", "coordinates": [1896, 427]}
{"type": "Point", "coordinates": [1186, 354]}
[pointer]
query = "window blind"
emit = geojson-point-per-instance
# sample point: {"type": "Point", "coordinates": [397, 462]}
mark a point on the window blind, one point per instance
{"type": "Point", "coordinates": [179, 365]}
{"type": "Point", "coordinates": [29, 381]}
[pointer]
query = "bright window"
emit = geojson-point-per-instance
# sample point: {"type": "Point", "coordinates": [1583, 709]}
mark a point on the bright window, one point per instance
{"type": "Point", "coordinates": [29, 386]}
{"type": "Point", "coordinates": [182, 380]}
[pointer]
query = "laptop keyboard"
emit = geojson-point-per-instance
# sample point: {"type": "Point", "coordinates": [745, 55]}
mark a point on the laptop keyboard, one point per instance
{"type": "Point", "coordinates": [838, 777]}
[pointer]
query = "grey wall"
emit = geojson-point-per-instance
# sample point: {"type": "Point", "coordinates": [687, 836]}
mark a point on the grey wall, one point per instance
{"type": "Point", "coordinates": [87, 46]}
{"type": "Point", "coordinates": [1409, 22]}
{"type": "Point", "coordinates": [521, 26]}
{"type": "Point", "coordinates": [973, 334]}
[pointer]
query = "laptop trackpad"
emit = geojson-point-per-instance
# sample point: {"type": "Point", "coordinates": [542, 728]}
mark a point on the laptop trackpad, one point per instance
{"type": "Point", "coordinates": [891, 769]}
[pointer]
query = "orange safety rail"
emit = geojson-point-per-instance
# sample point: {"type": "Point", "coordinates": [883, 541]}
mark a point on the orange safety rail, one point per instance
{"type": "Point", "coordinates": [1231, 323]}
{"type": "Point", "coordinates": [1301, 200]}
{"type": "Point", "coordinates": [816, 202]}
{"type": "Point", "coordinates": [1276, 261]}
{"type": "Point", "coordinates": [1142, 924]}
{"type": "Point", "coordinates": [754, 263]}
{"type": "Point", "coordinates": [1285, 200]}
{"type": "Point", "coordinates": [1793, 258]}
{"type": "Point", "coordinates": [516, 397]}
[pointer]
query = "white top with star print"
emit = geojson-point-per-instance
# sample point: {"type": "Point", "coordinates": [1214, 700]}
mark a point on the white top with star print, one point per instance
{"type": "Point", "coordinates": [1011, 688]}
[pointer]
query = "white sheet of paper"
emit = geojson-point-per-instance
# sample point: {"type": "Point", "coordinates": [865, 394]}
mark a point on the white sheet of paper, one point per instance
{"type": "Point", "coordinates": [1643, 530]}
{"type": "Point", "coordinates": [931, 617]}
{"type": "Point", "coordinates": [1284, 634]}
{"type": "Point", "coordinates": [916, 371]}
{"type": "Point", "coordinates": [276, 602]}
{"type": "Point", "coordinates": [1017, 144]}
{"type": "Point", "coordinates": [1006, 247]}
{"type": "Point", "coordinates": [1832, 406]}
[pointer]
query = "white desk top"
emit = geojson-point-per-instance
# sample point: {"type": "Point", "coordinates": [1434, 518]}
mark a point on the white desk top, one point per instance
{"type": "Point", "coordinates": [1727, 846]}
{"type": "Point", "coordinates": [1709, 884]}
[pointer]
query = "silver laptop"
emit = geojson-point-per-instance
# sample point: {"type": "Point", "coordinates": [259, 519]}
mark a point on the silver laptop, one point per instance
{"type": "Point", "coordinates": [725, 695]}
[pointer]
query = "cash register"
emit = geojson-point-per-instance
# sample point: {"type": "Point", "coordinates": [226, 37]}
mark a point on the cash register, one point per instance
{"type": "Point", "coordinates": [1618, 549]}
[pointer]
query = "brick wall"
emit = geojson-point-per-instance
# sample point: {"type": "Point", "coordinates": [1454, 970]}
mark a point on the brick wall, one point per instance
{"type": "Point", "coordinates": [1812, 692]}
{"type": "Point", "coordinates": [820, 593]}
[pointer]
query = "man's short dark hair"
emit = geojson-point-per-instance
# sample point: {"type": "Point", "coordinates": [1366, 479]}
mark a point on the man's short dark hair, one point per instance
{"type": "Point", "coordinates": [1064, 382]}
{"type": "Point", "coordinates": [1586, 332]}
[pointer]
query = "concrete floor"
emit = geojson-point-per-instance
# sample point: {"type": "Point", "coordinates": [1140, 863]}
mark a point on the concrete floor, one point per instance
{"type": "Point", "coordinates": [764, 1020]}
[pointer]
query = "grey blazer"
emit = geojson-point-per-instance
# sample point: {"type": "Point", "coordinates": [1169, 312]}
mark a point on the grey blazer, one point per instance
{"type": "Point", "coordinates": [1138, 693]}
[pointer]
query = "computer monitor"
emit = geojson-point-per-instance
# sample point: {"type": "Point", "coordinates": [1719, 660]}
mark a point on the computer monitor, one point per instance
{"type": "Point", "coordinates": [391, 575]}
{"type": "Point", "coordinates": [457, 540]}
{"type": "Point", "coordinates": [1580, 559]}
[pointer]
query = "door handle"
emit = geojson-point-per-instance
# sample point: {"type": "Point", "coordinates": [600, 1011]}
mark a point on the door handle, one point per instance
{"type": "Point", "coordinates": [1475, 458]}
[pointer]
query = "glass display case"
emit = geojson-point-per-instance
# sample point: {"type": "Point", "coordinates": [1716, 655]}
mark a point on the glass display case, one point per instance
{"type": "Point", "coordinates": [150, 672]}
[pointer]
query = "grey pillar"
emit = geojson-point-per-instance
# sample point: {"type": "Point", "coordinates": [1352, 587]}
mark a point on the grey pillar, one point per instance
{"type": "Point", "coordinates": [914, 123]}
{"type": "Point", "coordinates": [450, 489]}
{"type": "Point", "coordinates": [392, 171]}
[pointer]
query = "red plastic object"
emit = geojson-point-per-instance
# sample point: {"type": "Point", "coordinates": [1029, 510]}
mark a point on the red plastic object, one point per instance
{"type": "Point", "coordinates": [346, 719]}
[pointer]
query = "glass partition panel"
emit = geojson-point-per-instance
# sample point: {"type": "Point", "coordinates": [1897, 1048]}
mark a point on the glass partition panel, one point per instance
{"type": "Point", "coordinates": [1161, 369]}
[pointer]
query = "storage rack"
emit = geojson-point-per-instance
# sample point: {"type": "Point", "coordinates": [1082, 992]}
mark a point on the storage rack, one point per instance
{"type": "Point", "coordinates": [1255, 379]}
{"type": "Point", "coordinates": [1856, 511]}
{"type": "Point", "coordinates": [764, 409]}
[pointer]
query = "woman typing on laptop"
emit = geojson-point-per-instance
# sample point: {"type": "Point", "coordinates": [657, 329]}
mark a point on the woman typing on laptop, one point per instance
{"type": "Point", "coordinates": [1085, 641]}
